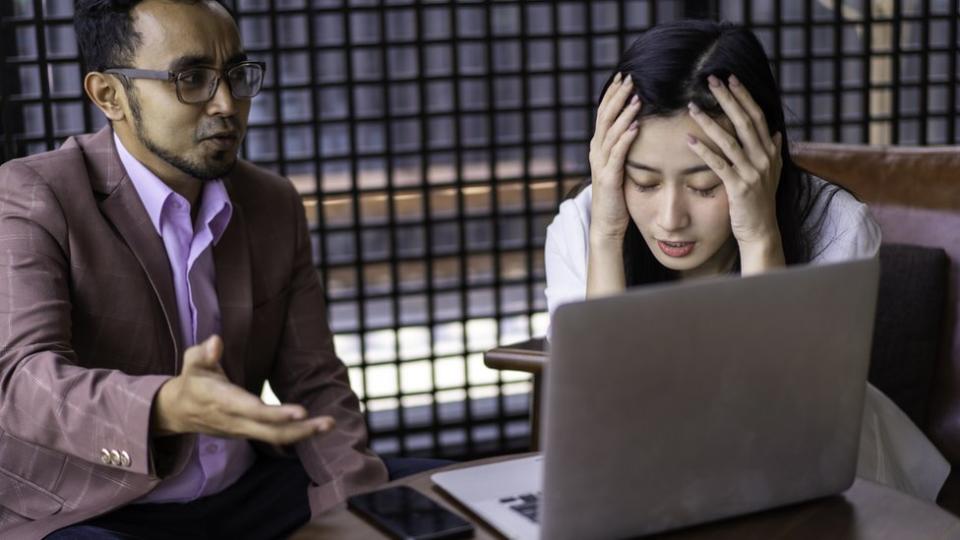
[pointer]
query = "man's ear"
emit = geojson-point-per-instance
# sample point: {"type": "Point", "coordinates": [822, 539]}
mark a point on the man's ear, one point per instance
{"type": "Point", "coordinates": [107, 93]}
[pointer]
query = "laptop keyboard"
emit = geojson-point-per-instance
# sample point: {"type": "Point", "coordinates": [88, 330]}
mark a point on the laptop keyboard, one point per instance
{"type": "Point", "coordinates": [527, 505]}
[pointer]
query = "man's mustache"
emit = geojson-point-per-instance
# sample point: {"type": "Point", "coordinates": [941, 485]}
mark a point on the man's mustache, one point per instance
{"type": "Point", "coordinates": [221, 127]}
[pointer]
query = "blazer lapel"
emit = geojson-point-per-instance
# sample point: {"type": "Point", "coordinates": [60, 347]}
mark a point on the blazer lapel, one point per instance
{"type": "Point", "coordinates": [231, 258]}
{"type": "Point", "coordinates": [120, 203]}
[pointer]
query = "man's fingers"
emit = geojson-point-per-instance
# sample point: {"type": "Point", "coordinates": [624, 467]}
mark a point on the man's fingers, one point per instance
{"type": "Point", "coordinates": [287, 433]}
{"type": "Point", "coordinates": [236, 401]}
{"type": "Point", "coordinates": [213, 347]}
{"type": "Point", "coordinates": [204, 355]}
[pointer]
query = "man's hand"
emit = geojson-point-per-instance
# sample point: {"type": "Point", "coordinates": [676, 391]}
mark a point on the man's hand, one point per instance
{"type": "Point", "coordinates": [202, 400]}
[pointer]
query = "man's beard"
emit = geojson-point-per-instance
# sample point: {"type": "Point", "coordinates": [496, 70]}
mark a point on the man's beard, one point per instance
{"type": "Point", "coordinates": [217, 169]}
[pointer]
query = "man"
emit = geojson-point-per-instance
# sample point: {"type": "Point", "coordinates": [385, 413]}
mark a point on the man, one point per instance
{"type": "Point", "coordinates": [149, 283]}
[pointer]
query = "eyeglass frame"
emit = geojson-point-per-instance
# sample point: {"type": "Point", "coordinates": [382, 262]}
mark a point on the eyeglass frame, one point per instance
{"type": "Point", "coordinates": [173, 76]}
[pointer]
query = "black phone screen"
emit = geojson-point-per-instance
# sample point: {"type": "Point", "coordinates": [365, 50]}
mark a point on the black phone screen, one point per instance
{"type": "Point", "coordinates": [405, 513]}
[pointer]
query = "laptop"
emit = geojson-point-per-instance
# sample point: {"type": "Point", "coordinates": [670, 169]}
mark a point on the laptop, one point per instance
{"type": "Point", "coordinates": [679, 404]}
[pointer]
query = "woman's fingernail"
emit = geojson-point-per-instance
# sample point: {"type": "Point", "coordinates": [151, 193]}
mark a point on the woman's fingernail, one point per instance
{"type": "Point", "coordinates": [733, 80]}
{"type": "Point", "coordinates": [691, 140]}
{"type": "Point", "coordinates": [633, 126]}
{"type": "Point", "coordinates": [713, 81]}
{"type": "Point", "coordinates": [693, 108]}
{"type": "Point", "coordinates": [616, 78]}
{"type": "Point", "coordinates": [634, 100]}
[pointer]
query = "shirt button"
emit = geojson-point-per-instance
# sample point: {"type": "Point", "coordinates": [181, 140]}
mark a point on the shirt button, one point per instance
{"type": "Point", "coordinates": [212, 448]}
{"type": "Point", "coordinates": [104, 456]}
{"type": "Point", "coordinates": [124, 458]}
{"type": "Point", "coordinates": [115, 458]}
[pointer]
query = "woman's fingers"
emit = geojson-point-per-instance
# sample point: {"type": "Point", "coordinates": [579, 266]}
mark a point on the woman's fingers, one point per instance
{"type": "Point", "coordinates": [741, 120]}
{"type": "Point", "coordinates": [612, 89]}
{"type": "Point", "coordinates": [614, 106]}
{"type": "Point", "coordinates": [600, 130]}
{"type": "Point", "coordinates": [611, 109]}
{"type": "Point", "coordinates": [622, 123]}
{"type": "Point", "coordinates": [618, 153]}
{"type": "Point", "coordinates": [716, 163]}
{"type": "Point", "coordinates": [750, 105]}
{"type": "Point", "coordinates": [724, 141]}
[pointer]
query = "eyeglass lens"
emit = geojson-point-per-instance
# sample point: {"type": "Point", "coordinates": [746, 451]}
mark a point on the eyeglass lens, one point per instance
{"type": "Point", "coordinates": [199, 84]}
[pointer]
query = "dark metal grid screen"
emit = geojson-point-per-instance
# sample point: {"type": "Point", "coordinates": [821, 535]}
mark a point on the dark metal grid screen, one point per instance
{"type": "Point", "coordinates": [432, 142]}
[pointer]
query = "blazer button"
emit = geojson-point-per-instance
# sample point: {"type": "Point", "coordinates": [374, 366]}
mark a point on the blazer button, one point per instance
{"type": "Point", "coordinates": [105, 456]}
{"type": "Point", "coordinates": [124, 458]}
{"type": "Point", "coordinates": [115, 458]}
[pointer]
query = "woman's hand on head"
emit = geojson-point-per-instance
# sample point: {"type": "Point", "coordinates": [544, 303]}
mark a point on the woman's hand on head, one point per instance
{"type": "Point", "coordinates": [749, 166]}
{"type": "Point", "coordinates": [615, 131]}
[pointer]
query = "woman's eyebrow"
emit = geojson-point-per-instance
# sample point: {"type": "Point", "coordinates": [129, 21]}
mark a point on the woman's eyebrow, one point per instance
{"type": "Point", "coordinates": [684, 172]}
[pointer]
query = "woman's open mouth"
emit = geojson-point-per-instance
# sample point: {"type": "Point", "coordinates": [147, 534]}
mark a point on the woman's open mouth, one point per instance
{"type": "Point", "coordinates": [675, 249]}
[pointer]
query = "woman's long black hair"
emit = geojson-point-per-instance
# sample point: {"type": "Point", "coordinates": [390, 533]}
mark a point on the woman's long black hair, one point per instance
{"type": "Point", "coordinates": [669, 64]}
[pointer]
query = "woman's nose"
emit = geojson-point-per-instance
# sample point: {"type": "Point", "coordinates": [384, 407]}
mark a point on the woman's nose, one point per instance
{"type": "Point", "coordinates": [672, 213]}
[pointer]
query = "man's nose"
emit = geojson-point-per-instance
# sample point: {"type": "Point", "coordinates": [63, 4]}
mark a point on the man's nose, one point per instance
{"type": "Point", "coordinates": [222, 103]}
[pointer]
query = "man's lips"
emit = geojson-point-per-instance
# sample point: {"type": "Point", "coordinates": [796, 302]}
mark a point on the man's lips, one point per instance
{"type": "Point", "coordinates": [675, 249]}
{"type": "Point", "coordinates": [222, 140]}
{"type": "Point", "coordinates": [232, 135]}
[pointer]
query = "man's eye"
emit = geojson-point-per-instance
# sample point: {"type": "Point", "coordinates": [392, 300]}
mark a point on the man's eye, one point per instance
{"type": "Point", "coordinates": [192, 78]}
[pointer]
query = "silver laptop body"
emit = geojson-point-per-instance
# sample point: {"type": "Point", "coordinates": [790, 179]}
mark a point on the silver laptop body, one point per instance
{"type": "Point", "coordinates": [674, 405]}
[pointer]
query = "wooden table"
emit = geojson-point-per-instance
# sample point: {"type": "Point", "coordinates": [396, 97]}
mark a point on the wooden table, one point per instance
{"type": "Point", "coordinates": [866, 511]}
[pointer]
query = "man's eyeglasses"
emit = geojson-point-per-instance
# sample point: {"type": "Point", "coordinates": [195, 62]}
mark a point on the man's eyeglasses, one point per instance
{"type": "Point", "coordinates": [199, 84]}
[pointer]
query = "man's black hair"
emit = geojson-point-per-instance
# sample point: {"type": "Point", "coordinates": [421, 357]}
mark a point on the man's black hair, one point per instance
{"type": "Point", "coordinates": [105, 32]}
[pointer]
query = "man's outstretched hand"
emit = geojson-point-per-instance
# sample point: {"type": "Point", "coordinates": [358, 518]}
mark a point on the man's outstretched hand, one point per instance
{"type": "Point", "coordinates": [202, 400]}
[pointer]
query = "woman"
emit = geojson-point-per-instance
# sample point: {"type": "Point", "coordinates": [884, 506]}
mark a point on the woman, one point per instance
{"type": "Point", "coordinates": [691, 177]}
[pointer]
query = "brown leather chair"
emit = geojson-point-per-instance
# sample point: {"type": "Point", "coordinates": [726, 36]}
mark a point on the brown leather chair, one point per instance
{"type": "Point", "coordinates": [914, 194]}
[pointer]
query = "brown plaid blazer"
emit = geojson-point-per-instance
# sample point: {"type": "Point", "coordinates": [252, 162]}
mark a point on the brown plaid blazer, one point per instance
{"type": "Point", "coordinates": [88, 333]}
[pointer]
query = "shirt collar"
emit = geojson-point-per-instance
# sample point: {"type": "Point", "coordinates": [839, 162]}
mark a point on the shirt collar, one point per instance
{"type": "Point", "coordinates": [215, 206]}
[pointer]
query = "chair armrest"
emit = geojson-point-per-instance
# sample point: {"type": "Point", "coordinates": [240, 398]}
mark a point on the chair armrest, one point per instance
{"type": "Point", "coordinates": [529, 356]}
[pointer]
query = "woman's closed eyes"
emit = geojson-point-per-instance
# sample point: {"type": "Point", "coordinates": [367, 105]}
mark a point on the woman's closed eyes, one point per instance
{"type": "Point", "coordinates": [701, 189]}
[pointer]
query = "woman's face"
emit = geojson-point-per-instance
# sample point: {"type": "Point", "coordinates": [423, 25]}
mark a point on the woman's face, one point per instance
{"type": "Point", "coordinates": [677, 202]}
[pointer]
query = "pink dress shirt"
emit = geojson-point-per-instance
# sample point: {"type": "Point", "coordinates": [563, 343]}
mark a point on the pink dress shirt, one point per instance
{"type": "Point", "coordinates": [216, 462]}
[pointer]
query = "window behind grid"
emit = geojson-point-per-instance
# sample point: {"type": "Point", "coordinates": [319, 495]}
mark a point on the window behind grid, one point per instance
{"type": "Point", "coordinates": [433, 141]}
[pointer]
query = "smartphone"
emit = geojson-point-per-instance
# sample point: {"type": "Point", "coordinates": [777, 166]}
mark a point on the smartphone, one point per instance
{"type": "Point", "coordinates": [405, 513]}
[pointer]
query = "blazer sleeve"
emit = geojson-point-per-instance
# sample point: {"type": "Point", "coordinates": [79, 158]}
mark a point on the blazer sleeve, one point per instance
{"type": "Point", "coordinates": [308, 371]}
{"type": "Point", "coordinates": [46, 397]}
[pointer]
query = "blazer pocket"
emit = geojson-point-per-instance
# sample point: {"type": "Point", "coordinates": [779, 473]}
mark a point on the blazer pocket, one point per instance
{"type": "Point", "coordinates": [27, 474]}
{"type": "Point", "coordinates": [23, 498]}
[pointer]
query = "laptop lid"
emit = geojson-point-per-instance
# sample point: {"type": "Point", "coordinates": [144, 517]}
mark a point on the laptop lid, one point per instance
{"type": "Point", "coordinates": [684, 403]}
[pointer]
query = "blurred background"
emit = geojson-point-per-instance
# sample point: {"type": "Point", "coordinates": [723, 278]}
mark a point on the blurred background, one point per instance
{"type": "Point", "coordinates": [432, 142]}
